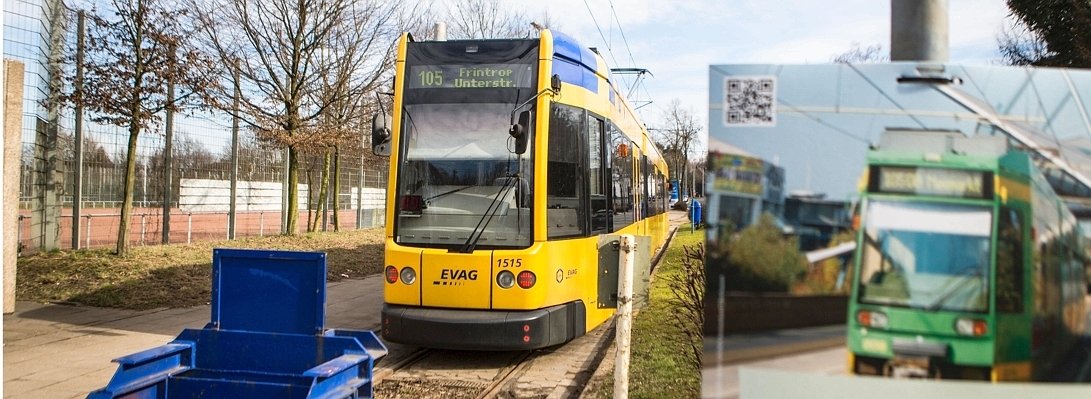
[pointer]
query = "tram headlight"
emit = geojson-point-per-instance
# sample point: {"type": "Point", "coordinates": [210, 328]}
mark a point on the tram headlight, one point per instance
{"type": "Point", "coordinates": [408, 275]}
{"type": "Point", "coordinates": [505, 279]}
{"type": "Point", "coordinates": [868, 318]}
{"type": "Point", "coordinates": [971, 327]}
{"type": "Point", "coordinates": [527, 279]}
{"type": "Point", "coordinates": [391, 274]}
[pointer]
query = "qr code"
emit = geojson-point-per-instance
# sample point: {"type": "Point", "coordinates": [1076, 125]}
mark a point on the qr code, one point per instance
{"type": "Point", "coordinates": [750, 100]}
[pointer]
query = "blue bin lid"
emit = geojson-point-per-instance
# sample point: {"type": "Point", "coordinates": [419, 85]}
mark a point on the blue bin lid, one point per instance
{"type": "Point", "coordinates": [268, 291]}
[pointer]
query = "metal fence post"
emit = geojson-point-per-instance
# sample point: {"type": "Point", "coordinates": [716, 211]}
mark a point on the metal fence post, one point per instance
{"type": "Point", "coordinates": [233, 207]}
{"type": "Point", "coordinates": [189, 229]}
{"type": "Point", "coordinates": [89, 231]}
{"type": "Point", "coordinates": [360, 197]}
{"type": "Point", "coordinates": [261, 224]}
{"type": "Point", "coordinates": [19, 233]}
{"type": "Point", "coordinates": [77, 181]}
{"type": "Point", "coordinates": [143, 226]}
{"type": "Point", "coordinates": [168, 167]}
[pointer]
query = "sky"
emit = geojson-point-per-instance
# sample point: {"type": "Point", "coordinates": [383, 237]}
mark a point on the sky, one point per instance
{"type": "Point", "coordinates": [677, 40]}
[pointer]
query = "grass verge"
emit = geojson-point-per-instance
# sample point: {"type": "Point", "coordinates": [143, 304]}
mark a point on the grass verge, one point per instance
{"type": "Point", "coordinates": [659, 367]}
{"type": "Point", "coordinates": [176, 275]}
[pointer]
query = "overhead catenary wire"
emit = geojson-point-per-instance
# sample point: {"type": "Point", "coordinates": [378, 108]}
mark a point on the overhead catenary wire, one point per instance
{"type": "Point", "coordinates": [599, 29]}
{"type": "Point", "coordinates": [607, 42]}
{"type": "Point", "coordinates": [622, 32]}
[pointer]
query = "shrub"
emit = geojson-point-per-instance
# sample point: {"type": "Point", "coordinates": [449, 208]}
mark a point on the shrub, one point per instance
{"type": "Point", "coordinates": [761, 259]}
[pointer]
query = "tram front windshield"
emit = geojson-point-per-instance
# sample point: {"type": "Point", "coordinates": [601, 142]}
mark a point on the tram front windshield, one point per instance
{"type": "Point", "coordinates": [459, 178]}
{"type": "Point", "coordinates": [929, 256]}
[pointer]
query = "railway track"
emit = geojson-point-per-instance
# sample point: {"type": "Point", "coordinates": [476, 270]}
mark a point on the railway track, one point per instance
{"type": "Point", "coordinates": [432, 373]}
{"type": "Point", "coordinates": [556, 372]}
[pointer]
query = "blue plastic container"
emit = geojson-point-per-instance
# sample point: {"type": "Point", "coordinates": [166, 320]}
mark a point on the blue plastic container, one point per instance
{"type": "Point", "coordinates": [266, 339]}
{"type": "Point", "coordinates": [695, 212]}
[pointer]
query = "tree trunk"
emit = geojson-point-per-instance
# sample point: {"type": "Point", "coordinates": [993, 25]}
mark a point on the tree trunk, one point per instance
{"type": "Point", "coordinates": [291, 227]}
{"type": "Point", "coordinates": [323, 190]}
{"type": "Point", "coordinates": [312, 215]}
{"type": "Point", "coordinates": [127, 195]}
{"type": "Point", "coordinates": [336, 186]}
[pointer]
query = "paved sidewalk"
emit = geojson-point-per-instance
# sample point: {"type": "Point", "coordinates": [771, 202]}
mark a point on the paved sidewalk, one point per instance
{"type": "Point", "coordinates": [744, 347]}
{"type": "Point", "coordinates": [57, 351]}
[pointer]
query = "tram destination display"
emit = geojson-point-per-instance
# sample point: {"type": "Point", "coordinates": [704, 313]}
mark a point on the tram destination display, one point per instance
{"type": "Point", "coordinates": [475, 76]}
{"type": "Point", "coordinates": [931, 181]}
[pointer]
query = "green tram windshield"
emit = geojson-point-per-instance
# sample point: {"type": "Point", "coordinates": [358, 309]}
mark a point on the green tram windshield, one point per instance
{"type": "Point", "coordinates": [459, 183]}
{"type": "Point", "coordinates": [926, 255]}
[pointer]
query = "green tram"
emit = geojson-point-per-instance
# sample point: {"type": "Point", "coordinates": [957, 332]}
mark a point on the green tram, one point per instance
{"type": "Point", "coordinates": [967, 266]}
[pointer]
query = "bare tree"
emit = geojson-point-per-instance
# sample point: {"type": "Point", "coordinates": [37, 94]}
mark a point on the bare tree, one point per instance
{"type": "Point", "coordinates": [490, 19]}
{"type": "Point", "coordinates": [133, 51]}
{"type": "Point", "coordinates": [678, 141]}
{"type": "Point", "coordinates": [360, 61]}
{"type": "Point", "coordinates": [285, 52]}
{"type": "Point", "coordinates": [859, 54]}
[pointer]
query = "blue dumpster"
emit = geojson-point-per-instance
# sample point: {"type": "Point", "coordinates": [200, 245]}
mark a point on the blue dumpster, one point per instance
{"type": "Point", "coordinates": [695, 212]}
{"type": "Point", "coordinates": [266, 339]}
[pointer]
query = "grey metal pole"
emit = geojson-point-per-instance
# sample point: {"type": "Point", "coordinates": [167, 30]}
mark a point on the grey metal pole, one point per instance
{"type": "Point", "coordinates": [360, 197]}
{"type": "Point", "coordinates": [46, 217]}
{"type": "Point", "coordinates": [77, 181]}
{"type": "Point", "coordinates": [324, 207]}
{"type": "Point", "coordinates": [168, 167]}
{"type": "Point", "coordinates": [919, 30]}
{"type": "Point", "coordinates": [284, 193]}
{"type": "Point", "coordinates": [233, 207]}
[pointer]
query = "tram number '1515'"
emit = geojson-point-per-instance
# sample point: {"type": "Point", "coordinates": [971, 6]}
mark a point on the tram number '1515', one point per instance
{"type": "Point", "coordinates": [509, 262]}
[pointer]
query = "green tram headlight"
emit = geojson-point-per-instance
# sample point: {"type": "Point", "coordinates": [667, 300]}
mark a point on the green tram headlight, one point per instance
{"type": "Point", "coordinates": [505, 279]}
{"type": "Point", "coordinates": [971, 327]}
{"type": "Point", "coordinates": [869, 318]}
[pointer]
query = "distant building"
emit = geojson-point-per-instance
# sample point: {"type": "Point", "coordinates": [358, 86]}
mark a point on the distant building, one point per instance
{"type": "Point", "coordinates": [740, 188]}
{"type": "Point", "coordinates": [815, 219]}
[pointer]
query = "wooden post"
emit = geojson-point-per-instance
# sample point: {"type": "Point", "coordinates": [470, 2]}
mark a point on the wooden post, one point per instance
{"type": "Point", "coordinates": [624, 316]}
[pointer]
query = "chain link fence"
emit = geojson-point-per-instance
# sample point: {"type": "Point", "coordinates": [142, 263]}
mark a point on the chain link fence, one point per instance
{"type": "Point", "coordinates": [202, 150]}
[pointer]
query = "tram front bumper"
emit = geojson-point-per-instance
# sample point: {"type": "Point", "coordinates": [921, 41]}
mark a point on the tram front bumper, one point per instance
{"type": "Point", "coordinates": [498, 330]}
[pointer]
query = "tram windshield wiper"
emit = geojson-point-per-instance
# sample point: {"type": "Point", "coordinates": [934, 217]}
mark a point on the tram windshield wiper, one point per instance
{"type": "Point", "coordinates": [443, 194]}
{"type": "Point", "coordinates": [494, 206]}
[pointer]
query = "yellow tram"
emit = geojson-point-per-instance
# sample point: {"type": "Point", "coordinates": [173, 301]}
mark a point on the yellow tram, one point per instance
{"type": "Point", "coordinates": [508, 158]}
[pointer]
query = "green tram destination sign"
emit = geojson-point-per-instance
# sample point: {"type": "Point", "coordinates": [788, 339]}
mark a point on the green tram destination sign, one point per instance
{"type": "Point", "coordinates": [476, 76]}
{"type": "Point", "coordinates": [931, 181]}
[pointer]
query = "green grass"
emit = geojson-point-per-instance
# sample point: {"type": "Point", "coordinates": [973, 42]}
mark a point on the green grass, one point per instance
{"type": "Point", "coordinates": [659, 367]}
{"type": "Point", "coordinates": [175, 275]}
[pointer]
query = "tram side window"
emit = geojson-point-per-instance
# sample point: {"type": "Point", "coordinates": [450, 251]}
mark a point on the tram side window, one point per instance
{"type": "Point", "coordinates": [600, 217]}
{"type": "Point", "coordinates": [660, 204]}
{"type": "Point", "coordinates": [644, 176]}
{"type": "Point", "coordinates": [1009, 261]}
{"type": "Point", "coordinates": [566, 209]}
{"type": "Point", "coordinates": [621, 178]}
{"type": "Point", "coordinates": [653, 192]}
